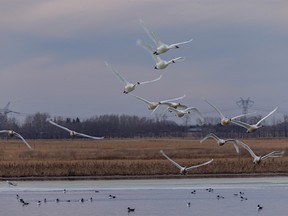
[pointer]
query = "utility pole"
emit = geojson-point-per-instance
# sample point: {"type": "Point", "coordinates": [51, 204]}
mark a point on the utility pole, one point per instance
{"type": "Point", "coordinates": [245, 104]}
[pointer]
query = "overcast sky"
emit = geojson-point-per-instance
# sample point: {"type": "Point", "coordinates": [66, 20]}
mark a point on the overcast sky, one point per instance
{"type": "Point", "coordinates": [53, 52]}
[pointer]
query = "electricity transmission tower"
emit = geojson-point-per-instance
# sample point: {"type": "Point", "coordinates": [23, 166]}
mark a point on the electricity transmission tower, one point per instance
{"type": "Point", "coordinates": [245, 104]}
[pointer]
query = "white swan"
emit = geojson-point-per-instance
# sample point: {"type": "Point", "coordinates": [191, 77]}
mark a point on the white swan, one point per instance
{"type": "Point", "coordinates": [74, 133]}
{"type": "Point", "coordinates": [257, 159]}
{"type": "Point", "coordinates": [160, 63]}
{"type": "Point", "coordinates": [221, 142]}
{"type": "Point", "coordinates": [12, 133]}
{"type": "Point", "coordinates": [184, 170]}
{"type": "Point", "coordinates": [154, 105]}
{"type": "Point", "coordinates": [254, 127]}
{"type": "Point", "coordinates": [181, 112]}
{"type": "Point", "coordinates": [128, 87]}
{"type": "Point", "coordinates": [224, 120]}
{"type": "Point", "coordinates": [160, 46]}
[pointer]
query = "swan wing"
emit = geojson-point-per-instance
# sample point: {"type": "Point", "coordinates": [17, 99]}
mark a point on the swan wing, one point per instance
{"type": "Point", "coordinates": [4, 131]}
{"type": "Point", "coordinates": [172, 161]}
{"type": "Point", "coordinates": [273, 154]}
{"type": "Point", "coordinates": [121, 78]}
{"type": "Point", "coordinates": [145, 82]}
{"type": "Point", "coordinates": [150, 50]}
{"type": "Point", "coordinates": [57, 125]}
{"type": "Point", "coordinates": [210, 135]}
{"type": "Point", "coordinates": [196, 111]}
{"type": "Point", "coordinates": [247, 148]}
{"type": "Point", "coordinates": [88, 136]}
{"type": "Point", "coordinates": [180, 43]}
{"type": "Point", "coordinates": [151, 34]}
{"type": "Point", "coordinates": [177, 59]}
{"type": "Point", "coordinates": [235, 144]}
{"type": "Point", "coordinates": [142, 99]}
{"type": "Point", "coordinates": [241, 124]}
{"type": "Point", "coordinates": [19, 136]}
{"type": "Point", "coordinates": [217, 110]}
{"type": "Point", "coordinates": [199, 165]}
{"type": "Point", "coordinates": [173, 99]}
{"type": "Point", "coordinates": [267, 116]}
{"type": "Point", "coordinates": [239, 116]}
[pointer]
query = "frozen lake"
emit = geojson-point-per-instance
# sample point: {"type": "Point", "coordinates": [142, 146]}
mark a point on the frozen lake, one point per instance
{"type": "Point", "coordinates": [148, 197]}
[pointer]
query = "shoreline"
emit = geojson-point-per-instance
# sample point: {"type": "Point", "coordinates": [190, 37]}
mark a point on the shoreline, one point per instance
{"type": "Point", "coordinates": [144, 177]}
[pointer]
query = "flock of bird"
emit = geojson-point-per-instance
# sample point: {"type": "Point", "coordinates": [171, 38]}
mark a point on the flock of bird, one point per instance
{"type": "Point", "coordinates": [179, 109]}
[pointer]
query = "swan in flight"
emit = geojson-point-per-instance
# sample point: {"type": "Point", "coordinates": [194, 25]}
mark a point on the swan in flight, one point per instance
{"type": "Point", "coordinates": [12, 133]}
{"type": "Point", "coordinates": [160, 46]}
{"type": "Point", "coordinates": [181, 112]}
{"type": "Point", "coordinates": [160, 63]}
{"type": "Point", "coordinates": [224, 120]}
{"type": "Point", "coordinates": [128, 87]}
{"type": "Point", "coordinates": [184, 170]}
{"type": "Point", "coordinates": [74, 133]}
{"type": "Point", "coordinates": [254, 127]}
{"type": "Point", "coordinates": [258, 159]}
{"type": "Point", "coordinates": [221, 142]}
{"type": "Point", "coordinates": [154, 105]}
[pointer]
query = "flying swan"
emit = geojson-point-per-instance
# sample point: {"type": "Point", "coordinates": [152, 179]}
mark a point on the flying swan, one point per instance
{"type": "Point", "coordinates": [221, 142]}
{"type": "Point", "coordinates": [184, 170]}
{"type": "Point", "coordinates": [224, 120]}
{"type": "Point", "coordinates": [154, 105]}
{"type": "Point", "coordinates": [160, 46]}
{"type": "Point", "coordinates": [74, 133]}
{"type": "Point", "coordinates": [129, 87]}
{"type": "Point", "coordinates": [12, 133]}
{"type": "Point", "coordinates": [160, 63]}
{"type": "Point", "coordinates": [257, 159]}
{"type": "Point", "coordinates": [254, 127]}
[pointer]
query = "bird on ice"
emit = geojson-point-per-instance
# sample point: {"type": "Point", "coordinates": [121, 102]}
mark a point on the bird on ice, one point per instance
{"type": "Point", "coordinates": [160, 46]}
{"type": "Point", "coordinates": [257, 159]}
{"type": "Point", "coordinates": [184, 170]}
{"type": "Point", "coordinates": [12, 133]}
{"type": "Point", "coordinates": [252, 128]}
{"type": "Point", "coordinates": [221, 142]}
{"type": "Point", "coordinates": [160, 63]}
{"type": "Point", "coordinates": [74, 133]}
{"type": "Point", "coordinates": [128, 86]}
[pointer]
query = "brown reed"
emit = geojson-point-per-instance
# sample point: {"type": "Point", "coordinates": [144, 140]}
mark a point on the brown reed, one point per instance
{"type": "Point", "coordinates": [133, 157]}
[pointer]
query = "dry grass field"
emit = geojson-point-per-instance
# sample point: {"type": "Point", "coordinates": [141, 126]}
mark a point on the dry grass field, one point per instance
{"type": "Point", "coordinates": [133, 157]}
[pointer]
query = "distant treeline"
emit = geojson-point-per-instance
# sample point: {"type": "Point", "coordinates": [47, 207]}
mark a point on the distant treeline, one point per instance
{"type": "Point", "coordinates": [125, 126]}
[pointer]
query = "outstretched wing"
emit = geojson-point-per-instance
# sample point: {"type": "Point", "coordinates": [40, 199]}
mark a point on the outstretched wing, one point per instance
{"type": "Point", "coordinates": [121, 78]}
{"type": "Point", "coordinates": [267, 116]}
{"type": "Point", "coordinates": [235, 144]}
{"type": "Point", "coordinates": [57, 125]}
{"type": "Point", "coordinates": [151, 34]}
{"type": "Point", "coordinates": [149, 49]}
{"type": "Point", "coordinates": [88, 136]}
{"type": "Point", "coordinates": [239, 116]}
{"type": "Point", "coordinates": [199, 165]}
{"type": "Point", "coordinates": [273, 154]}
{"type": "Point", "coordinates": [142, 99]}
{"type": "Point", "coordinates": [241, 124]}
{"type": "Point", "coordinates": [19, 136]}
{"type": "Point", "coordinates": [178, 59]}
{"type": "Point", "coordinates": [194, 109]}
{"type": "Point", "coordinates": [180, 43]}
{"type": "Point", "coordinates": [217, 110]}
{"type": "Point", "coordinates": [210, 135]}
{"type": "Point", "coordinates": [145, 82]}
{"type": "Point", "coordinates": [172, 161]}
{"type": "Point", "coordinates": [247, 148]}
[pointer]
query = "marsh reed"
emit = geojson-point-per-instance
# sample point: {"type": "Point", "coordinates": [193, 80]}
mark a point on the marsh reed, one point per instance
{"type": "Point", "coordinates": [132, 157]}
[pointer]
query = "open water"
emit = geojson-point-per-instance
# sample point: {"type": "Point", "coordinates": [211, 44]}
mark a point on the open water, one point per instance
{"type": "Point", "coordinates": [211, 196]}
